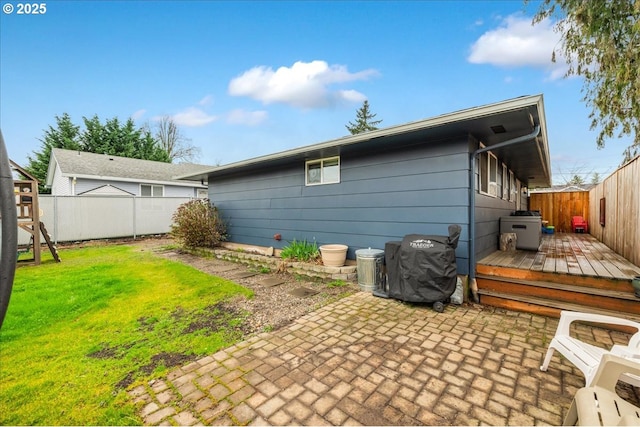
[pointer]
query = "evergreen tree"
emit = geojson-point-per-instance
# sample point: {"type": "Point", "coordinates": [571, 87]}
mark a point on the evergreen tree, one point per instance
{"type": "Point", "coordinates": [92, 138]}
{"type": "Point", "coordinates": [64, 135]}
{"type": "Point", "coordinates": [364, 120]}
{"type": "Point", "coordinates": [112, 137]}
{"type": "Point", "coordinates": [148, 148]}
{"type": "Point", "coordinates": [576, 180]}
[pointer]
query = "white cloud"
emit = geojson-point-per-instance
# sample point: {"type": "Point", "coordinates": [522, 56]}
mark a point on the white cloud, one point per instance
{"type": "Point", "coordinates": [304, 84]}
{"type": "Point", "coordinates": [207, 100]}
{"type": "Point", "coordinates": [352, 95]}
{"type": "Point", "coordinates": [193, 117]}
{"type": "Point", "coordinates": [138, 114]}
{"type": "Point", "coordinates": [517, 43]}
{"type": "Point", "coordinates": [248, 118]}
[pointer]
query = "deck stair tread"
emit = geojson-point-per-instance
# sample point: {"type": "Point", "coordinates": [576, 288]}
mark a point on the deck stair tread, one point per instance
{"type": "Point", "coordinates": [563, 287]}
{"type": "Point", "coordinates": [568, 272]}
{"type": "Point", "coordinates": [575, 280]}
{"type": "Point", "coordinates": [555, 304]}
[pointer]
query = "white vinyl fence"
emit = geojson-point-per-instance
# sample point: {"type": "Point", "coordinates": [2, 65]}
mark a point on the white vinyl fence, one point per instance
{"type": "Point", "coordinates": [74, 218]}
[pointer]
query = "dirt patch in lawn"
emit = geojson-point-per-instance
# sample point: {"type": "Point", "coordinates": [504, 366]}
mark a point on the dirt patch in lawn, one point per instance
{"type": "Point", "coordinates": [107, 352]}
{"type": "Point", "coordinates": [271, 307]}
{"type": "Point", "coordinates": [215, 318]}
{"type": "Point", "coordinates": [168, 360]}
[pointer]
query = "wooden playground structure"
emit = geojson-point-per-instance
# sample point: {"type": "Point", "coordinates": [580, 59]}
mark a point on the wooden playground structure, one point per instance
{"type": "Point", "coordinates": [25, 188]}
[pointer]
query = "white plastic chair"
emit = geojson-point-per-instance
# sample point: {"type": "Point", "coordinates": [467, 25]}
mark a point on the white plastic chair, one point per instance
{"type": "Point", "coordinates": [599, 404]}
{"type": "Point", "coordinates": [587, 357]}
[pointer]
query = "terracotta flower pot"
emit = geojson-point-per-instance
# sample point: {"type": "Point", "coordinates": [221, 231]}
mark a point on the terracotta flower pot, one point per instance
{"type": "Point", "coordinates": [333, 255]}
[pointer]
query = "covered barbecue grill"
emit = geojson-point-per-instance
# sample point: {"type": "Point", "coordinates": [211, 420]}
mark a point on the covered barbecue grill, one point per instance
{"type": "Point", "coordinates": [422, 268]}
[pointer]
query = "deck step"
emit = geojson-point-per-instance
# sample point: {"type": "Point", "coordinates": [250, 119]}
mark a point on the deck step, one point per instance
{"type": "Point", "coordinates": [622, 292]}
{"type": "Point", "coordinates": [542, 306]}
{"type": "Point", "coordinates": [592, 282]}
{"type": "Point", "coordinates": [614, 301]}
{"type": "Point", "coordinates": [548, 298]}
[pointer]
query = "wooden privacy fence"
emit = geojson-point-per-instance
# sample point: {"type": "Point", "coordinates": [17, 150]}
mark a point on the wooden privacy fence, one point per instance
{"type": "Point", "coordinates": [614, 211]}
{"type": "Point", "coordinates": [558, 208]}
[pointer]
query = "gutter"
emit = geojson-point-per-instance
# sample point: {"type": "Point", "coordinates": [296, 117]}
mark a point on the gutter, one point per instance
{"type": "Point", "coordinates": [472, 202]}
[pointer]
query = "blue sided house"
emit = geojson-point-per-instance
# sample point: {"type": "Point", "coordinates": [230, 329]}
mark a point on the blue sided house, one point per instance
{"type": "Point", "coordinates": [468, 167]}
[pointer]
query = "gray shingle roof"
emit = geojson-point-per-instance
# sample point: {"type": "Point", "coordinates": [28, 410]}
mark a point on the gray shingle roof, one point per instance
{"type": "Point", "coordinates": [81, 163]}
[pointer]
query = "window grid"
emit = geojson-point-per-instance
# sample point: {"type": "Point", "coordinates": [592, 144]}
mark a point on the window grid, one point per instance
{"type": "Point", "coordinates": [149, 190]}
{"type": "Point", "coordinates": [322, 171]}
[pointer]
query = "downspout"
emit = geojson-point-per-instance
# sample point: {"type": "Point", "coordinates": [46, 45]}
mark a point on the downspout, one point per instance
{"type": "Point", "coordinates": [472, 203]}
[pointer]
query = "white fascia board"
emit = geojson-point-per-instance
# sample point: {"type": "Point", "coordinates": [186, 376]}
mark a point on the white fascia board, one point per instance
{"type": "Point", "coordinates": [183, 183]}
{"type": "Point", "coordinates": [457, 116]}
{"type": "Point", "coordinates": [51, 170]}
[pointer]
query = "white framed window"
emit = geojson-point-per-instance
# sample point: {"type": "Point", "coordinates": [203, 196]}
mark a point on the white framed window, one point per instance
{"type": "Point", "coordinates": [505, 182]}
{"type": "Point", "coordinates": [493, 175]}
{"type": "Point", "coordinates": [483, 171]}
{"type": "Point", "coordinates": [322, 171]}
{"type": "Point", "coordinates": [148, 190]}
{"type": "Point", "coordinates": [488, 173]}
{"type": "Point", "coordinates": [499, 180]}
{"type": "Point", "coordinates": [202, 193]}
{"type": "Point", "coordinates": [513, 191]}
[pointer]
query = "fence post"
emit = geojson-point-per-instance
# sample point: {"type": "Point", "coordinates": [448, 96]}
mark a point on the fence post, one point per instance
{"type": "Point", "coordinates": [134, 217]}
{"type": "Point", "coordinates": [55, 220]}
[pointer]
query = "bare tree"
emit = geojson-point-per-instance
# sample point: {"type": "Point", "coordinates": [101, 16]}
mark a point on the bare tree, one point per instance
{"type": "Point", "coordinates": [576, 175]}
{"type": "Point", "coordinates": [177, 146]}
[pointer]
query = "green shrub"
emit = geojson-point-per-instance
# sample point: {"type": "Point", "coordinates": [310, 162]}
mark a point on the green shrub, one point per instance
{"type": "Point", "coordinates": [196, 224]}
{"type": "Point", "coordinates": [300, 251]}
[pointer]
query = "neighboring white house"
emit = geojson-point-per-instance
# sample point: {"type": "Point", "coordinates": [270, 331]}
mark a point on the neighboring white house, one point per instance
{"type": "Point", "coordinates": [78, 173]}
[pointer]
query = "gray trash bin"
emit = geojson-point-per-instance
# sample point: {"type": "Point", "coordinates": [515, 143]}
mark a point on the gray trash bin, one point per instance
{"type": "Point", "coordinates": [369, 263]}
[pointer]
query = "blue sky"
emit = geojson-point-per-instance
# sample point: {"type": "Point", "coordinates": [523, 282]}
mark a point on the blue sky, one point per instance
{"type": "Point", "coordinates": [244, 79]}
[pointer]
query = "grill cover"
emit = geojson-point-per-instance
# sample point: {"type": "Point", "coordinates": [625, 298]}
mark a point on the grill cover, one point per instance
{"type": "Point", "coordinates": [422, 268]}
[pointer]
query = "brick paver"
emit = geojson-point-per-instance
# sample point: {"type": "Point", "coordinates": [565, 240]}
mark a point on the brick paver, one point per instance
{"type": "Point", "coordinates": [370, 361]}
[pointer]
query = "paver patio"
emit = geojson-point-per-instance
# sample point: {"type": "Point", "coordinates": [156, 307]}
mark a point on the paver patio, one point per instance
{"type": "Point", "coordinates": [370, 361]}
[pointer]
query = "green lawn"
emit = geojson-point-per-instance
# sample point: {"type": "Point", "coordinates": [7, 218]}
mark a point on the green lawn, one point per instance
{"type": "Point", "coordinates": [79, 332]}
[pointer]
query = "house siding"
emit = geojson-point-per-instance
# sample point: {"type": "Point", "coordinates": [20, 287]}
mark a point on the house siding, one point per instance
{"type": "Point", "coordinates": [61, 184]}
{"type": "Point", "coordinates": [84, 185]}
{"type": "Point", "coordinates": [488, 212]}
{"type": "Point", "coordinates": [382, 196]}
{"type": "Point", "coordinates": [175, 191]}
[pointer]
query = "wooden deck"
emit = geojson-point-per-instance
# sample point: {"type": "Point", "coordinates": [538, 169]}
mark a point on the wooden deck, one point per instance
{"type": "Point", "coordinates": [568, 253]}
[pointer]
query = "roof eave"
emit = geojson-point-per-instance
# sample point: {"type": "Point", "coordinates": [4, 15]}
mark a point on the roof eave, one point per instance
{"type": "Point", "coordinates": [457, 116]}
